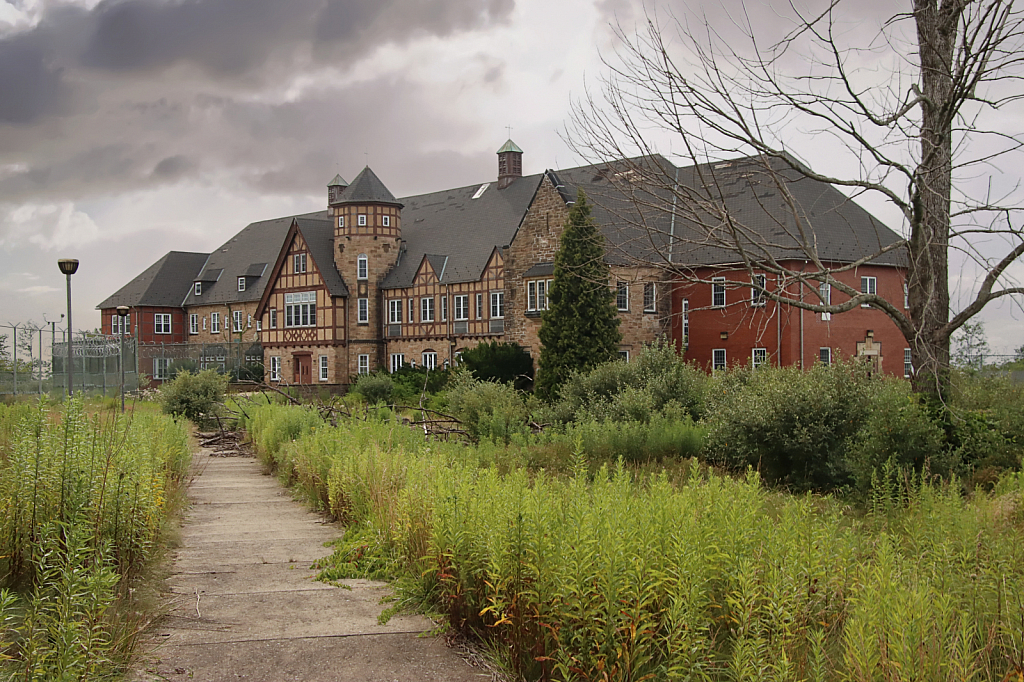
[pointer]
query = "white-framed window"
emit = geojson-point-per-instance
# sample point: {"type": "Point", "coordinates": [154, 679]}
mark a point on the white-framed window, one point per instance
{"type": "Point", "coordinates": [479, 306]}
{"type": "Point", "coordinates": [461, 307]}
{"type": "Point", "coordinates": [193, 323]}
{"type": "Point", "coordinates": [299, 263]}
{"type": "Point", "coordinates": [248, 322]}
{"type": "Point", "coordinates": [757, 293]}
{"type": "Point", "coordinates": [537, 294]}
{"type": "Point", "coordinates": [718, 293]}
{"type": "Point", "coordinates": [361, 220]}
{"type": "Point", "coordinates": [272, 318]}
{"type": "Point", "coordinates": [275, 367]}
{"type": "Point", "coordinates": [121, 324]}
{"type": "Point", "coordinates": [259, 325]}
{"type": "Point", "coordinates": [624, 355]}
{"type": "Point", "coordinates": [362, 267]}
{"type": "Point", "coordinates": [412, 310]}
{"type": "Point", "coordinates": [236, 319]}
{"type": "Point", "coordinates": [363, 366]}
{"type": "Point", "coordinates": [444, 308]}
{"type": "Point", "coordinates": [162, 323]}
{"type": "Point", "coordinates": [825, 292]}
{"type": "Point", "coordinates": [906, 295]}
{"type": "Point", "coordinates": [908, 363]}
{"type": "Point", "coordinates": [397, 360]}
{"type": "Point", "coordinates": [868, 285]}
{"type": "Point", "coordinates": [395, 311]}
{"type": "Point", "coordinates": [758, 357]}
{"type": "Point", "coordinates": [323, 368]}
{"type": "Point", "coordinates": [241, 283]}
{"type": "Point", "coordinates": [215, 323]}
{"type": "Point", "coordinates": [429, 359]}
{"type": "Point", "coordinates": [686, 321]}
{"type": "Point", "coordinates": [300, 309]}
{"type": "Point", "coordinates": [825, 355]}
{"type": "Point", "coordinates": [204, 323]}
{"type": "Point", "coordinates": [427, 309]}
{"type": "Point", "coordinates": [341, 221]}
{"type": "Point", "coordinates": [622, 295]}
{"type": "Point", "coordinates": [160, 368]}
{"type": "Point", "coordinates": [718, 359]}
{"type": "Point", "coordinates": [197, 288]}
{"type": "Point", "coordinates": [385, 220]}
{"type": "Point", "coordinates": [497, 304]}
{"type": "Point", "coordinates": [650, 297]}
{"type": "Point", "coordinates": [363, 311]}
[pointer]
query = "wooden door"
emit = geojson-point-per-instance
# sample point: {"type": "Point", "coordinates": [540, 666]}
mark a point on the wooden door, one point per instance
{"type": "Point", "coordinates": [303, 369]}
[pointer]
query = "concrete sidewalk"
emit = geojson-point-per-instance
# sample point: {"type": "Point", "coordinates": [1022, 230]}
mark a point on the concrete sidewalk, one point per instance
{"type": "Point", "coordinates": [246, 606]}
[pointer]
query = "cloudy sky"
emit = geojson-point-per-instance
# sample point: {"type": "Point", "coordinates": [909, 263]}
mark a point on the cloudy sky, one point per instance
{"type": "Point", "coordinates": [129, 128]}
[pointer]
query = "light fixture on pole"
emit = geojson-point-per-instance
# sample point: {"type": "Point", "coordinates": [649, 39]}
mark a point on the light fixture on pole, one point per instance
{"type": "Point", "coordinates": [69, 266]}
{"type": "Point", "coordinates": [122, 312]}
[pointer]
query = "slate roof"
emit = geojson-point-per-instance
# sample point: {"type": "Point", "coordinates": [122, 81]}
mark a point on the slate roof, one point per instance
{"type": "Point", "coordinates": [451, 223]}
{"type": "Point", "coordinates": [366, 189]}
{"type": "Point", "coordinates": [244, 255]}
{"type": "Point", "coordinates": [164, 283]}
{"type": "Point", "coordinates": [319, 236]}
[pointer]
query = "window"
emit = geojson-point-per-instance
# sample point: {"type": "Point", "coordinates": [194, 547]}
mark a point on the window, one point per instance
{"type": "Point", "coordinates": [160, 368]}
{"type": "Point", "coordinates": [412, 310]}
{"type": "Point", "coordinates": [868, 285]}
{"type": "Point", "coordinates": [650, 297]}
{"type": "Point", "coordinates": [758, 357]}
{"type": "Point", "coordinates": [300, 309]}
{"type": "Point", "coordinates": [906, 295]}
{"type": "Point", "coordinates": [362, 267]}
{"type": "Point", "coordinates": [825, 356]}
{"type": "Point", "coordinates": [427, 309]}
{"type": "Point", "coordinates": [537, 294]}
{"type": "Point", "coordinates": [259, 325]}
{"type": "Point", "coordinates": [363, 366]}
{"type": "Point", "coordinates": [757, 287]}
{"type": "Point", "coordinates": [624, 355]}
{"type": "Point", "coordinates": [497, 304]}
{"type": "Point", "coordinates": [236, 319]}
{"type": "Point", "coordinates": [825, 292]}
{"type": "Point", "coordinates": [397, 360]}
{"type": "Point", "coordinates": [341, 221]}
{"type": "Point", "coordinates": [272, 321]}
{"type": "Point", "coordinates": [385, 220]}
{"type": "Point", "coordinates": [323, 368]}
{"type": "Point", "coordinates": [444, 308]}
{"type": "Point", "coordinates": [248, 322]}
{"type": "Point", "coordinates": [197, 288]}
{"type": "Point", "coordinates": [718, 292]}
{"type": "Point", "coordinates": [275, 367]}
{"type": "Point", "coordinates": [430, 359]}
{"type": "Point", "coordinates": [461, 307]}
{"type": "Point", "coordinates": [299, 263]}
{"type": "Point", "coordinates": [204, 323]}
{"type": "Point", "coordinates": [908, 363]}
{"type": "Point", "coordinates": [361, 219]}
{"type": "Point", "coordinates": [363, 311]}
{"type": "Point", "coordinates": [479, 306]}
{"type": "Point", "coordinates": [718, 359]}
{"type": "Point", "coordinates": [122, 325]}
{"type": "Point", "coordinates": [162, 323]}
{"type": "Point", "coordinates": [193, 324]}
{"type": "Point", "coordinates": [241, 283]}
{"type": "Point", "coordinates": [395, 311]}
{"type": "Point", "coordinates": [622, 295]}
{"type": "Point", "coordinates": [686, 321]}
{"type": "Point", "coordinates": [215, 323]}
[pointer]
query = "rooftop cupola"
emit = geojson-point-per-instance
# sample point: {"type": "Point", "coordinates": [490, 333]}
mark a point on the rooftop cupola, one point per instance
{"type": "Point", "coordinates": [510, 163]}
{"type": "Point", "coordinates": [334, 190]}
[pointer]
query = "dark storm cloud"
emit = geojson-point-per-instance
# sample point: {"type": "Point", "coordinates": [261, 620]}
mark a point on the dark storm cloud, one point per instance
{"type": "Point", "coordinates": [30, 82]}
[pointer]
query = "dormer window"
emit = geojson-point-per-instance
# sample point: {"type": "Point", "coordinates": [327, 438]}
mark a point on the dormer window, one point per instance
{"type": "Point", "coordinates": [241, 283]}
{"type": "Point", "coordinates": [362, 267]}
{"type": "Point", "coordinates": [341, 221]}
{"type": "Point", "coordinates": [198, 289]}
{"type": "Point", "coordinates": [386, 221]}
{"type": "Point", "coordinates": [362, 220]}
{"type": "Point", "coordinates": [299, 263]}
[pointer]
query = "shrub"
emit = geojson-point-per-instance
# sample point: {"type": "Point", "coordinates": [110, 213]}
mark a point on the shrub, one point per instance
{"type": "Point", "coordinates": [486, 409]}
{"type": "Point", "coordinates": [411, 382]}
{"type": "Point", "coordinates": [180, 365]}
{"type": "Point", "coordinates": [508, 363]}
{"type": "Point", "coordinates": [194, 396]}
{"type": "Point", "coordinates": [376, 388]}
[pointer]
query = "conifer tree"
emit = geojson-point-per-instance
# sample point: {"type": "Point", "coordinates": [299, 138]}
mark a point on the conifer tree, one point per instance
{"type": "Point", "coordinates": [580, 328]}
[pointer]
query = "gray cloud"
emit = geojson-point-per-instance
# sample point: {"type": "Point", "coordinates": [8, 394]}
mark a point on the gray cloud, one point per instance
{"type": "Point", "coordinates": [31, 84]}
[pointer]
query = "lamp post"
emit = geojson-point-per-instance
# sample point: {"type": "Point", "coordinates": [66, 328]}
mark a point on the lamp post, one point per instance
{"type": "Point", "coordinates": [69, 266]}
{"type": "Point", "coordinates": [122, 311]}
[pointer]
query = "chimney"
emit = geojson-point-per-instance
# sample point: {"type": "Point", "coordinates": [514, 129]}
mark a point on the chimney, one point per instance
{"type": "Point", "coordinates": [510, 164]}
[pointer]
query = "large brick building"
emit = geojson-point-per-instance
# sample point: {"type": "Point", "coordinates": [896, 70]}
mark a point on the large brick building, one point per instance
{"type": "Point", "coordinates": [376, 281]}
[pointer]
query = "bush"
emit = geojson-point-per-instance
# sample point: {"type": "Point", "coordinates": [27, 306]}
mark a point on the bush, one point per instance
{"type": "Point", "coordinates": [411, 382]}
{"type": "Point", "coordinates": [508, 363]}
{"type": "Point", "coordinates": [376, 388]}
{"type": "Point", "coordinates": [194, 396]}
{"type": "Point", "coordinates": [182, 365]}
{"type": "Point", "coordinates": [487, 410]}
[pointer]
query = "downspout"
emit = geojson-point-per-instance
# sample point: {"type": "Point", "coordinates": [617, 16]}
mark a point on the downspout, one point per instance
{"type": "Point", "coordinates": [801, 284]}
{"type": "Point", "coordinates": [448, 314]}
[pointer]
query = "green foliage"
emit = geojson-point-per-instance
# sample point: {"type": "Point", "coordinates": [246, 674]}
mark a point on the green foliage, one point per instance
{"type": "Point", "coordinates": [411, 382]}
{"type": "Point", "coordinates": [970, 346]}
{"type": "Point", "coordinates": [508, 363]}
{"type": "Point", "coordinates": [655, 439]}
{"type": "Point", "coordinates": [487, 410]}
{"type": "Point", "coordinates": [194, 396]}
{"type": "Point", "coordinates": [580, 328]}
{"type": "Point", "coordinates": [376, 388]}
{"type": "Point", "coordinates": [179, 365]}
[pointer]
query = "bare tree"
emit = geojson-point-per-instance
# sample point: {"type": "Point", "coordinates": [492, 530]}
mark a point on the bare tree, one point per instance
{"type": "Point", "coordinates": [920, 135]}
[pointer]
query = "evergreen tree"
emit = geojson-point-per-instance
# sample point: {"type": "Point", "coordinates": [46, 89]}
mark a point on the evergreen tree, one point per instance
{"type": "Point", "coordinates": [580, 328]}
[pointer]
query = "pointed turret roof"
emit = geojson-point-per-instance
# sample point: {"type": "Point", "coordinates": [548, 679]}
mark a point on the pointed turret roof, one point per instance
{"type": "Point", "coordinates": [509, 146]}
{"type": "Point", "coordinates": [338, 181]}
{"type": "Point", "coordinates": [367, 188]}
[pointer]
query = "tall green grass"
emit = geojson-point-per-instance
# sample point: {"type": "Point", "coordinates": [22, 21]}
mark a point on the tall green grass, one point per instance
{"type": "Point", "coordinates": [608, 576]}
